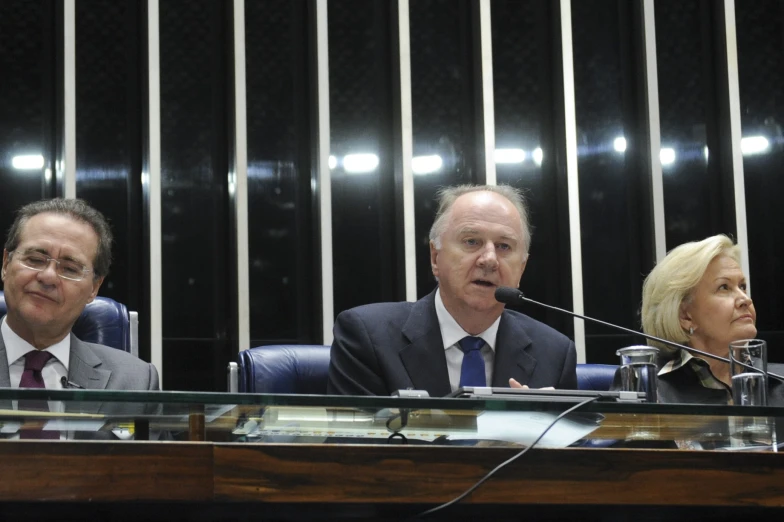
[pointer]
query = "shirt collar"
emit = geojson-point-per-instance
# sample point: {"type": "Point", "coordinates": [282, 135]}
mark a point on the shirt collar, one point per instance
{"type": "Point", "coordinates": [451, 332]}
{"type": "Point", "coordinates": [16, 347]}
{"type": "Point", "coordinates": [684, 360]}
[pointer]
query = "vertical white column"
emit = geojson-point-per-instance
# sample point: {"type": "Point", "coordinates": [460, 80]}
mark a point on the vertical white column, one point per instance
{"type": "Point", "coordinates": [238, 178]}
{"type": "Point", "coordinates": [488, 101]}
{"type": "Point", "coordinates": [735, 134]}
{"type": "Point", "coordinates": [654, 129]}
{"type": "Point", "coordinates": [570, 117]}
{"type": "Point", "coordinates": [407, 139]}
{"type": "Point", "coordinates": [68, 167]}
{"type": "Point", "coordinates": [324, 186]}
{"type": "Point", "coordinates": [152, 178]}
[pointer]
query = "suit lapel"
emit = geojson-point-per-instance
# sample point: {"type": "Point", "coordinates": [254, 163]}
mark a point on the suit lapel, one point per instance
{"type": "Point", "coordinates": [84, 367]}
{"type": "Point", "coordinates": [511, 358]}
{"type": "Point", "coordinates": [424, 357]}
{"type": "Point", "coordinates": [5, 376]}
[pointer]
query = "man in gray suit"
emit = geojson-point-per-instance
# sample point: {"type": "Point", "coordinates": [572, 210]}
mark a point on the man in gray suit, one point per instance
{"type": "Point", "coordinates": [55, 258]}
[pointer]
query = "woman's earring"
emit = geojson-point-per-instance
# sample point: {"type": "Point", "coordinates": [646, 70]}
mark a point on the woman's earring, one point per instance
{"type": "Point", "coordinates": [691, 330]}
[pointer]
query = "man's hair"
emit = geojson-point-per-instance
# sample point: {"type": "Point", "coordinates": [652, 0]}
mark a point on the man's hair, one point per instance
{"type": "Point", "coordinates": [448, 195]}
{"type": "Point", "coordinates": [77, 209]}
{"type": "Point", "coordinates": [671, 283]}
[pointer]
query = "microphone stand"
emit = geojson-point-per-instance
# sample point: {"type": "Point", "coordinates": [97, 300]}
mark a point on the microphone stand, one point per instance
{"type": "Point", "coordinates": [505, 295]}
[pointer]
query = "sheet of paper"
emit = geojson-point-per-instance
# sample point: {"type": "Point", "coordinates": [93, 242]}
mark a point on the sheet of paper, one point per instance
{"type": "Point", "coordinates": [73, 425]}
{"type": "Point", "coordinates": [10, 427]}
{"type": "Point", "coordinates": [523, 427]}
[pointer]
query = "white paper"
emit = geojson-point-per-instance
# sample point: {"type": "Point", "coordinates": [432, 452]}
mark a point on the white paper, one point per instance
{"type": "Point", "coordinates": [524, 427]}
{"type": "Point", "coordinates": [74, 425]}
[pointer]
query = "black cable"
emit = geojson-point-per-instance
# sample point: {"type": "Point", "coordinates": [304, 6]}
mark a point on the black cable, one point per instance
{"type": "Point", "coordinates": [505, 463]}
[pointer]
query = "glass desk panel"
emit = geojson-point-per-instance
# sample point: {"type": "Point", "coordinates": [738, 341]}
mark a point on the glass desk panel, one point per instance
{"type": "Point", "coordinates": [260, 418]}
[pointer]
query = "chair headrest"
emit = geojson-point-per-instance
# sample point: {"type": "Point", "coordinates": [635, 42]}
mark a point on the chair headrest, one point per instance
{"type": "Point", "coordinates": [299, 369]}
{"type": "Point", "coordinates": [598, 377]}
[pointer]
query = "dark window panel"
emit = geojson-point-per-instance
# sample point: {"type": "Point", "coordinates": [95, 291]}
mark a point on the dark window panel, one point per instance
{"type": "Point", "coordinates": [201, 364]}
{"type": "Point", "coordinates": [108, 133]}
{"type": "Point", "coordinates": [525, 95]}
{"type": "Point", "coordinates": [443, 117]}
{"type": "Point", "coordinates": [363, 190]}
{"type": "Point", "coordinates": [284, 303]}
{"type": "Point", "coordinates": [28, 99]}
{"type": "Point", "coordinates": [761, 71]}
{"type": "Point", "coordinates": [688, 111]}
{"type": "Point", "coordinates": [198, 288]}
{"type": "Point", "coordinates": [616, 237]}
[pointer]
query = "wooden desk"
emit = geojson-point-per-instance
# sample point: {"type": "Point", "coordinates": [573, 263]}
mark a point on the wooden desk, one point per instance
{"type": "Point", "coordinates": [212, 477]}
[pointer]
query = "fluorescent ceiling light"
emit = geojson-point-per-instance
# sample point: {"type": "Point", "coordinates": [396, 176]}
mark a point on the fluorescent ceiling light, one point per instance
{"type": "Point", "coordinates": [360, 163]}
{"type": "Point", "coordinates": [31, 162]}
{"type": "Point", "coordinates": [619, 144]}
{"type": "Point", "coordinates": [509, 156]}
{"type": "Point", "coordinates": [667, 156]}
{"type": "Point", "coordinates": [538, 156]}
{"type": "Point", "coordinates": [426, 164]}
{"type": "Point", "coordinates": [754, 145]}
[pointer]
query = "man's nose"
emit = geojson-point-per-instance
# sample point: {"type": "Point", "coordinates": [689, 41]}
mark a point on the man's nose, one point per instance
{"type": "Point", "coordinates": [488, 258]}
{"type": "Point", "coordinates": [49, 273]}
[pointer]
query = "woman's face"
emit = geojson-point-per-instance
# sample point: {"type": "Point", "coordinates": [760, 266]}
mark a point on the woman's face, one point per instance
{"type": "Point", "coordinates": [719, 310]}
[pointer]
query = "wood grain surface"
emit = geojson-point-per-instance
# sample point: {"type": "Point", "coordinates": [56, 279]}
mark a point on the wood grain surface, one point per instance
{"type": "Point", "coordinates": [73, 471]}
{"type": "Point", "coordinates": [105, 471]}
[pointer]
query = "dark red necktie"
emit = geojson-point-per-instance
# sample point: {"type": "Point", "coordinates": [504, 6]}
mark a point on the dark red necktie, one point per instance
{"type": "Point", "coordinates": [32, 378]}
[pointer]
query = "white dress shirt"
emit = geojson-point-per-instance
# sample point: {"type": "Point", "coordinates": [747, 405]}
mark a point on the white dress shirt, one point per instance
{"type": "Point", "coordinates": [451, 333]}
{"type": "Point", "coordinates": [16, 348]}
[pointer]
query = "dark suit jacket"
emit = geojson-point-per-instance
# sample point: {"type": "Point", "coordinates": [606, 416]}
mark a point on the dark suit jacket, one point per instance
{"type": "Point", "coordinates": [683, 386]}
{"type": "Point", "coordinates": [384, 347]}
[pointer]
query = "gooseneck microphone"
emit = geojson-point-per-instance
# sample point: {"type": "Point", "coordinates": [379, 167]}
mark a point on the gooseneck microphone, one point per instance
{"type": "Point", "coordinates": [511, 296]}
{"type": "Point", "coordinates": [65, 383]}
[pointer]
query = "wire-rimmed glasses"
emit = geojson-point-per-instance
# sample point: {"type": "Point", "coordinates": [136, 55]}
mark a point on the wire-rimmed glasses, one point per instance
{"type": "Point", "coordinates": [64, 268]}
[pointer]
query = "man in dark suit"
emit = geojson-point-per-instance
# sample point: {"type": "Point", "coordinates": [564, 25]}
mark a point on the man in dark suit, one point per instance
{"type": "Point", "coordinates": [55, 258]}
{"type": "Point", "coordinates": [458, 335]}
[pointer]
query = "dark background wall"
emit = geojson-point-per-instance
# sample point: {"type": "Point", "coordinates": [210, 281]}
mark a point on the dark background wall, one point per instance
{"type": "Point", "coordinates": [196, 64]}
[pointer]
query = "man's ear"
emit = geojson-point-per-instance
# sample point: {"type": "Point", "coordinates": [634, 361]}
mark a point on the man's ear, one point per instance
{"type": "Point", "coordinates": [5, 263]}
{"type": "Point", "coordinates": [433, 258]}
{"type": "Point", "coordinates": [522, 269]}
{"type": "Point", "coordinates": [96, 286]}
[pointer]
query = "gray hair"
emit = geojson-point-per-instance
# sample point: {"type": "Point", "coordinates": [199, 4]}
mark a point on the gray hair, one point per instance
{"type": "Point", "coordinates": [448, 195]}
{"type": "Point", "coordinates": [77, 209]}
{"type": "Point", "coordinates": [671, 283]}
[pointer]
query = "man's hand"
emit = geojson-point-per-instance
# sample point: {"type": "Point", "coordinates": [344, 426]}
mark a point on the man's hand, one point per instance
{"type": "Point", "coordinates": [514, 384]}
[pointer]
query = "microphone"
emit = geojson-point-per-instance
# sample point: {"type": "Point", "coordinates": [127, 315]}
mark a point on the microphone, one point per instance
{"type": "Point", "coordinates": [65, 383]}
{"type": "Point", "coordinates": [508, 295]}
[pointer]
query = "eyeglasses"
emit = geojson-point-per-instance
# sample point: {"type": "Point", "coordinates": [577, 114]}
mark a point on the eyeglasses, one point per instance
{"type": "Point", "coordinates": [64, 268]}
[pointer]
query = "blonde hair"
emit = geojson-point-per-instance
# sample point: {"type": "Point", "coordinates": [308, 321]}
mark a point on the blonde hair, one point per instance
{"type": "Point", "coordinates": [672, 282]}
{"type": "Point", "coordinates": [448, 195]}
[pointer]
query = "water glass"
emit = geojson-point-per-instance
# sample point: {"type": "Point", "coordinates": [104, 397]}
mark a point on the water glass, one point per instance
{"type": "Point", "coordinates": [638, 370]}
{"type": "Point", "coordinates": [748, 371]}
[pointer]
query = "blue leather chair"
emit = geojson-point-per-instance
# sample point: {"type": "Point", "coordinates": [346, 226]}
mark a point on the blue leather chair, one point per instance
{"type": "Point", "coordinates": [597, 377]}
{"type": "Point", "coordinates": [104, 321]}
{"type": "Point", "coordinates": [300, 369]}
{"type": "Point", "coordinates": [303, 369]}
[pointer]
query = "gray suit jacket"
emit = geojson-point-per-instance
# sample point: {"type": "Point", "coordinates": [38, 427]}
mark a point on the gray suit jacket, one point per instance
{"type": "Point", "coordinates": [380, 348]}
{"type": "Point", "coordinates": [98, 367]}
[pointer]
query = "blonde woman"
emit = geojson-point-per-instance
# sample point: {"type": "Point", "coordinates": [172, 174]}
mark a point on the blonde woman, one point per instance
{"type": "Point", "coordinates": [697, 296]}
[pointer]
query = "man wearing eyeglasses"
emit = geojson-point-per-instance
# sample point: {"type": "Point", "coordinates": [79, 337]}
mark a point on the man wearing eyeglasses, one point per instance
{"type": "Point", "coordinates": [55, 258]}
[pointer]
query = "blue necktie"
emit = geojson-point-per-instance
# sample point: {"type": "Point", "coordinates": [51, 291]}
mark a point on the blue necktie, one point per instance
{"type": "Point", "coordinates": [472, 373]}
